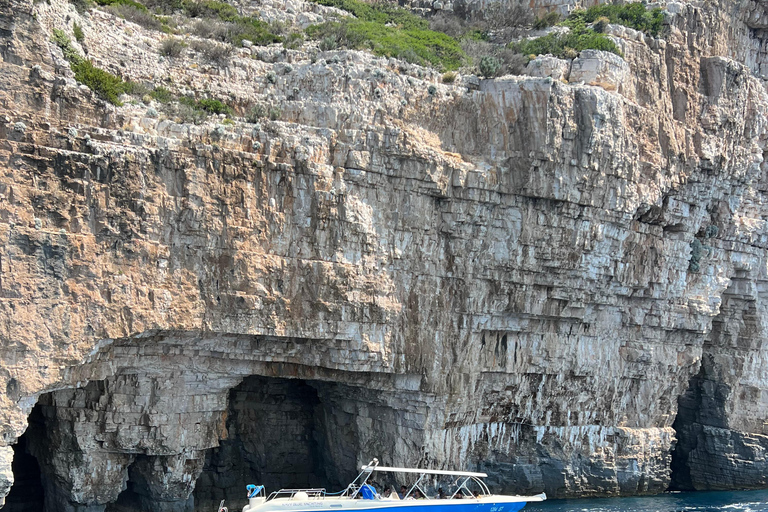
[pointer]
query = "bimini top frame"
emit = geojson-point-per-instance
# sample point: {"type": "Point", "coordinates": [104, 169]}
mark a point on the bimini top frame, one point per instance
{"type": "Point", "coordinates": [463, 478]}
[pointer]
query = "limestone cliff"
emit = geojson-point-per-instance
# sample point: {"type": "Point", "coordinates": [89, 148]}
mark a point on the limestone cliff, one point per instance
{"type": "Point", "coordinates": [558, 281]}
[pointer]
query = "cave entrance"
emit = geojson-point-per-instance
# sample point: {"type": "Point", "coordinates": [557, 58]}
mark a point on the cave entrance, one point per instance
{"type": "Point", "coordinates": [27, 494]}
{"type": "Point", "coordinates": [141, 442]}
{"type": "Point", "coordinates": [278, 435]}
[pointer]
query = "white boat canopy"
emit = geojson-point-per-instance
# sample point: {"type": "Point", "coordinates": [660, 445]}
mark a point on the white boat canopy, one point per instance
{"type": "Point", "coordinates": [423, 471]}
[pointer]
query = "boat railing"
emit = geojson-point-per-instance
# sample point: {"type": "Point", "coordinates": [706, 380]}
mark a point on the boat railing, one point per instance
{"type": "Point", "coordinates": [316, 493]}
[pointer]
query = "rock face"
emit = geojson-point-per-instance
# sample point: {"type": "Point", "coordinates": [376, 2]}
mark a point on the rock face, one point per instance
{"type": "Point", "coordinates": [524, 277]}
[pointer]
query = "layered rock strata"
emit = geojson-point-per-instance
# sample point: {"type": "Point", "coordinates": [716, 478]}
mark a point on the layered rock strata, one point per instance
{"type": "Point", "coordinates": [520, 275]}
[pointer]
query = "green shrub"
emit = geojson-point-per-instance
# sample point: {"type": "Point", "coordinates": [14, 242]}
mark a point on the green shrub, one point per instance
{"type": "Point", "coordinates": [634, 15]}
{"type": "Point", "coordinates": [213, 106]}
{"type": "Point", "coordinates": [207, 105]}
{"type": "Point", "coordinates": [131, 3]}
{"type": "Point", "coordinates": [78, 31]}
{"type": "Point", "coordinates": [213, 52]}
{"type": "Point", "coordinates": [694, 264]}
{"type": "Point", "coordinates": [489, 66]}
{"type": "Point", "coordinates": [389, 31]}
{"type": "Point", "coordinates": [449, 77]}
{"type": "Point", "coordinates": [137, 89]}
{"type": "Point", "coordinates": [164, 6]}
{"type": "Point", "coordinates": [210, 9]}
{"type": "Point", "coordinates": [549, 19]}
{"type": "Point", "coordinates": [711, 231]}
{"type": "Point", "coordinates": [293, 41]}
{"type": "Point", "coordinates": [103, 83]}
{"type": "Point", "coordinates": [81, 5]}
{"type": "Point", "coordinates": [512, 63]}
{"type": "Point", "coordinates": [172, 47]}
{"type": "Point", "coordinates": [141, 17]}
{"type": "Point", "coordinates": [328, 43]}
{"type": "Point", "coordinates": [61, 39]}
{"type": "Point", "coordinates": [256, 31]}
{"type": "Point", "coordinates": [419, 46]}
{"type": "Point", "coordinates": [260, 111]}
{"type": "Point", "coordinates": [161, 95]}
{"type": "Point", "coordinates": [383, 13]}
{"type": "Point", "coordinates": [257, 112]}
{"type": "Point", "coordinates": [562, 45]}
{"type": "Point", "coordinates": [221, 21]}
{"type": "Point", "coordinates": [600, 24]}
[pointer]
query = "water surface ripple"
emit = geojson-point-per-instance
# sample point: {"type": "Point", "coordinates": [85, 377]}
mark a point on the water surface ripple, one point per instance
{"type": "Point", "coordinates": [728, 501]}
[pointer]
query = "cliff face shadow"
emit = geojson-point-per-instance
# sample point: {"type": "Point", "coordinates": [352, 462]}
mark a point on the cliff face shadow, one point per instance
{"type": "Point", "coordinates": [27, 493]}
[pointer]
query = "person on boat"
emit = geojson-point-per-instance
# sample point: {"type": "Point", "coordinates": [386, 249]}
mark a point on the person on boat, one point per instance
{"type": "Point", "coordinates": [417, 495]}
{"type": "Point", "coordinates": [440, 494]}
{"type": "Point", "coordinates": [403, 492]}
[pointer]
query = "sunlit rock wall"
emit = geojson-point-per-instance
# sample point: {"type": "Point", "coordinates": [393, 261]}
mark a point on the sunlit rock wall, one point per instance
{"type": "Point", "coordinates": [527, 272]}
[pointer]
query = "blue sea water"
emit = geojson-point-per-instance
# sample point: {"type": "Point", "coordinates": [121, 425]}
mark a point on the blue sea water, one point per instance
{"type": "Point", "coordinates": [721, 501]}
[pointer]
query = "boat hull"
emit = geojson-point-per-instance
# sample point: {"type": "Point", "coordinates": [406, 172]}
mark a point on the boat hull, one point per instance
{"type": "Point", "coordinates": [487, 504]}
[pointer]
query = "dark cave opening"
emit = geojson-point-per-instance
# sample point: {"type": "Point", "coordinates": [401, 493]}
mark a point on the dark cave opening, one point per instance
{"type": "Point", "coordinates": [119, 445]}
{"type": "Point", "coordinates": [138, 494]}
{"type": "Point", "coordinates": [702, 405]}
{"type": "Point", "coordinates": [27, 493]}
{"type": "Point", "coordinates": [278, 435]}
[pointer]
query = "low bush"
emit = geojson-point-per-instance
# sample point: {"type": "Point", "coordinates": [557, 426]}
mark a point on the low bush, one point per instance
{"type": "Point", "coordinates": [256, 31]}
{"type": "Point", "coordinates": [498, 21]}
{"type": "Point", "coordinates": [141, 17]}
{"type": "Point", "coordinates": [563, 45]}
{"type": "Point", "coordinates": [164, 6]}
{"type": "Point", "coordinates": [103, 83]}
{"type": "Point", "coordinates": [130, 3]}
{"type": "Point", "coordinates": [221, 21]}
{"type": "Point", "coordinates": [213, 52]}
{"type": "Point", "coordinates": [257, 112]}
{"type": "Point", "coordinates": [511, 62]}
{"type": "Point", "coordinates": [419, 46]}
{"type": "Point", "coordinates": [328, 43]}
{"type": "Point", "coordinates": [634, 15]}
{"type": "Point", "coordinates": [213, 106]}
{"type": "Point", "coordinates": [500, 16]}
{"type": "Point", "coordinates": [601, 24]}
{"type": "Point", "coordinates": [448, 23]}
{"type": "Point", "coordinates": [694, 264]}
{"type": "Point", "coordinates": [212, 29]}
{"type": "Point", "coordinates": [489, 66]}
{"type": "Point", "coordinates": [77, 30]}
{"type": "Point", "coordinates": [383, 13]}
{"type": "Point", "coordinates": [81, 5]}
{"type": "Point", "coordinates": [449, 77]}
{"type": "Point", "coordinates": [138, 89]}
{"type": "Point", "coordinates": [293, 41]}
{"type": "Point", "coordinates": [172, 47]}
{"type": "Point", "coordinates": [549, 19]}
{"type": "Point", "coordinates": [274, 113]}
{"type": "Point", "coordinates": [210, 9]}
{"type": "Point", "coordinates": [188, 109]}
{"type": "Point", "coordinates": [162, 95]}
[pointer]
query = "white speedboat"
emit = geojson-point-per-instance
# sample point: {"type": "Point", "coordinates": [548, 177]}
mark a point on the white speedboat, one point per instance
{"type": "Point", "coordinates": [468, 493]}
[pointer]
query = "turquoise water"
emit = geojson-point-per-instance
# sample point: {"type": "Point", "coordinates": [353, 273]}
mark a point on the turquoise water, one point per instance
{"type": "Point", "coordinates": [730, 501]}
